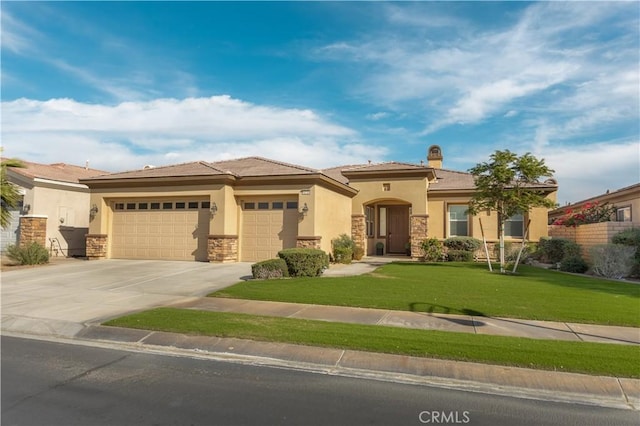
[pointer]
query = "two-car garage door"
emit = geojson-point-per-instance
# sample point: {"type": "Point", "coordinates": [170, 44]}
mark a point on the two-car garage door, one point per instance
{"type": "Point", "coordinates": [179, 230]}
{"type": "Point", "coordinates": [160, 229]}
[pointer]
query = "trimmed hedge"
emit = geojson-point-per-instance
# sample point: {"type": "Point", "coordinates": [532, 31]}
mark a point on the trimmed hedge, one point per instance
{"type": "Point", "coordinates": [463, 243]}
{"type": "Point", "coordinates": [304, 262]}
{"type": "Point", "coordinates": [554, 250]}
{"type": "Point", "coordinates": [460, 256]}
{"type": "Point", "coordinates": [272, 268]}
{"type": "Point", "coordinates": [575, 264]}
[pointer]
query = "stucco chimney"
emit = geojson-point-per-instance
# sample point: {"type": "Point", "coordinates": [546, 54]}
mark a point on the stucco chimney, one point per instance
{"type": "Point", "coordinates": [434, 157]}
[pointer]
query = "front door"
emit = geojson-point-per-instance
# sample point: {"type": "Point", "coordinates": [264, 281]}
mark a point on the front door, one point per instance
{"type": "Point", "coordinates": [398, 228]}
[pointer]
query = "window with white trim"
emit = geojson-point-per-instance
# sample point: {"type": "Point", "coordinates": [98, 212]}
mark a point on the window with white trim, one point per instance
{"type": "Point", "coordinates": [369, 221]}
{"type": "Point", "coordinates": [458, 220]}
{"type": "Point", "coordinates": [514, 226]}
{"type": "Point", "coordinates": [623, 214]}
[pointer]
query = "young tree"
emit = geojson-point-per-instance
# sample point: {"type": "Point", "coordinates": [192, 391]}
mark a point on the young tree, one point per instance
{"type": "Point", "coordinates": [10, 195]}
{"type": "Point", "coordinates": [509, 185]}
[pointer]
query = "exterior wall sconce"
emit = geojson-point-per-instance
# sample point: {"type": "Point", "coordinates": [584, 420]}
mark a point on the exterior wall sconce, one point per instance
{"type": "Point", "coordinates": [305, 209]}
{"type": "Point", "coordinates": [26, 208]}
{"type": "Point", "coordinates": [213, 209]}
{"type": "Point", "coordinates": [94, 210]}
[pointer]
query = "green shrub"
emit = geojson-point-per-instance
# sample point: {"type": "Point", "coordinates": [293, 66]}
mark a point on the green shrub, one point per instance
{"type": "Point", "coordinates": [432, 249]}
{"type": "Point", "coordinates": [630, 237]}
{"type": "Point", "coordinates": [358, 253]}
{"type": "Point", "coordinates": [343, 248]}
{"type": "Point", "coordinates": [31, 254]}
{"type": "Point", "coordinates": [554, 250]}
{"type": "Point", "coordinates": [574, 264]}
{"type": "Point", "coordinates": [459, 256]}
{"type": "Point", "coordinates": [342, 254]}
{"type": "Point", "coordinates": [304, 262]}
{"type": "Point", "coordinates": [612, 260]}
{"type": "Point", "coordinates": [463, 243]}
{"type": "Point", "coordinates": [272, 268]}
{"type": "Point", "coordinates": [511, 251]}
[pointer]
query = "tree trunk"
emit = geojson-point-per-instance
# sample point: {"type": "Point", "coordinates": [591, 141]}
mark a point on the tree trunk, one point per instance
{"type": "Point", "coordinates": [501, 237]}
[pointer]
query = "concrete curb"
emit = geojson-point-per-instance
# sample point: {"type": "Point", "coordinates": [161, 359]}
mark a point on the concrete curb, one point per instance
{"type": "Point", "coordinates": [518, 382]}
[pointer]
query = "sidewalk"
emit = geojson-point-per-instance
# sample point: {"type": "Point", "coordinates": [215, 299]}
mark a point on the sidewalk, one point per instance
{"type": "Point", "coordinates": [420, 320]}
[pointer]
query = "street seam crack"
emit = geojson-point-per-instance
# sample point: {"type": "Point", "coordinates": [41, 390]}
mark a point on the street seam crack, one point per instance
{"type": "Point", "coordinates": [64, 382]}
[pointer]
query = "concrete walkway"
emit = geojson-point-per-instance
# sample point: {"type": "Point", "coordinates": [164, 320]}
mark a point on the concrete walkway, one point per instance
{"type": "Point", "coordinates": [420, 320]}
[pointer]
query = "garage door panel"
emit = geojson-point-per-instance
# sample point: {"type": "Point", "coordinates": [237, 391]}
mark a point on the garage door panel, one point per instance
{"type": "Point", "coordinates": [266, 232]}
{"type": "Point", "coordinates": [161, 234]}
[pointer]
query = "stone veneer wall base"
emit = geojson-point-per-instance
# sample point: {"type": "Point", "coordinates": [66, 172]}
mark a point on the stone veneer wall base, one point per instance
{"type": "Point", "coordinates": [33, 228]}
{"type": "Point", "coordinates": [222, 248]}
{"type": "Point", "coordinates": [418, 233]}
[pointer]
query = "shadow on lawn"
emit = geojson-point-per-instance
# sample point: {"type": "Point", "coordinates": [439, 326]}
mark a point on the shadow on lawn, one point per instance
{"type": "Point", "coordinates": [431, 308]}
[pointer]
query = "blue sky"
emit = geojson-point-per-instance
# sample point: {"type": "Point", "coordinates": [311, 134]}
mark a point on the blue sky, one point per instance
{"type": "Point", "coordinates": [125, 84]}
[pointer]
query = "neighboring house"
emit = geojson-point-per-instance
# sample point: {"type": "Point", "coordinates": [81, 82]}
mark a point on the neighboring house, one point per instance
{"type": "Point", "coordinates": [626, 201]}
{"type": "Point", "coordinates": [54, 209]}
{"type": "Point", "coordinates": [248, 209]}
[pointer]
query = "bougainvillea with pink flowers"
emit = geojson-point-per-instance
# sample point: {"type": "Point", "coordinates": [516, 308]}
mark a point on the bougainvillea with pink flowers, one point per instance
{"type": "Point", "coordinates": [589, 213]}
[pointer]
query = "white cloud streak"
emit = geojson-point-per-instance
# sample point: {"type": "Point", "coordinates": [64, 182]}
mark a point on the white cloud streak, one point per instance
{"type": "Point", "coordinates": [165, 131]}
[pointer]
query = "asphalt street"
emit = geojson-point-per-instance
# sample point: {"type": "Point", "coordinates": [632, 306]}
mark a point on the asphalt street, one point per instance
{"type": "Point", "coordinates": [51, 383]}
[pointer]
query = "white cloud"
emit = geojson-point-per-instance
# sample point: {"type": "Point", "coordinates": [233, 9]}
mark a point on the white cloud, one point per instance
{"type": "Point", "coordinates": [591, 169]}
{"type": "Point", "coordinates": [552, 59]}
{"type": "Point", "coordinates": [377, 116]}
{"type": "Point", "coordinates": [165, 131]}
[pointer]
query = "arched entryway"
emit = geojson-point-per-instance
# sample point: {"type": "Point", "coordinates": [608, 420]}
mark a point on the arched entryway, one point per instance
{"type": "Point", "coordinates": [387, 226]}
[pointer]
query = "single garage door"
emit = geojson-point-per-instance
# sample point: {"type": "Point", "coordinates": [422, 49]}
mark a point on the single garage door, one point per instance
{"type": "Point", "coordinates": [268, 226]}
{"type": "Point", "coordinates": [160, 229]}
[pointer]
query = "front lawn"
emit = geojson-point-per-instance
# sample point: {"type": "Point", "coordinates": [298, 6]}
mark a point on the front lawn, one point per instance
{"type": "Point", "coordinates": [580, 357]}
{"type": "Point", "coordinates": [461, 288]}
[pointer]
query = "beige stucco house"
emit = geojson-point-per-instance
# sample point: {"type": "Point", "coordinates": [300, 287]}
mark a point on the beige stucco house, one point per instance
{"type": "Point", "coordinates": [54, 209]}
{"type": "Point", "coordinates": [248, 209]}
{"type": "Point", "coordinates": [625, 200]}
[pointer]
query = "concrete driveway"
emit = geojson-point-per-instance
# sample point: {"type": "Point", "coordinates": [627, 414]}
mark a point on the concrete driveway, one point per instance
{"type": "Point", "coordinates": [61, 299]}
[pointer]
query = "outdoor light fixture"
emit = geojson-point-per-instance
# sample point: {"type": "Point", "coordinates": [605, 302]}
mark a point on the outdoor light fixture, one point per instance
{"type": "Point", "coordinates": [94, 210]}
{"type": "Point", "coordinates": [26, 208]}
{"type": "Point", "coordinates": [305, 209]}
{"type": "Point", "coordinates": [214, 209]}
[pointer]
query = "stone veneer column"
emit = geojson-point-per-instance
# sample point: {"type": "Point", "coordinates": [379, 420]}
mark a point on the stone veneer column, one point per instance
{"type": "Point", "coordinates": [222, 248]}
{"type": "Point", "coordinates": [96, 246]}
{"type": "Point", "coordinates": [308, 242]}
{"type": "Point", "coordinates": [418, 234]}
{"type": "Point", "coordinates": [359, 230]}
{"type": "Point", "coordinates": [33, 228]}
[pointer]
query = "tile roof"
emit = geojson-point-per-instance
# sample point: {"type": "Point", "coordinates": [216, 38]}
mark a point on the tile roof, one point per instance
{"type": "Point", "coordinates": [241, 167]}
{"type": "Point", "coordinates": [447, 180]}
{"type": "Point", "coordinates": [259, 166]}
{"type": "Point", "coordinates": [197, 168]}
{"type": "Point", "coordinates": [384, 167]}
{"type": "Point", "coordinates": [60, 172]}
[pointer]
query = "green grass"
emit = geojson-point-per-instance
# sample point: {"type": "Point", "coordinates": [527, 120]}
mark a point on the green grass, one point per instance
{"type": "Point", "coordinates": [580, 357]}
{"type": "Point", "coordinates": [462, 288]}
